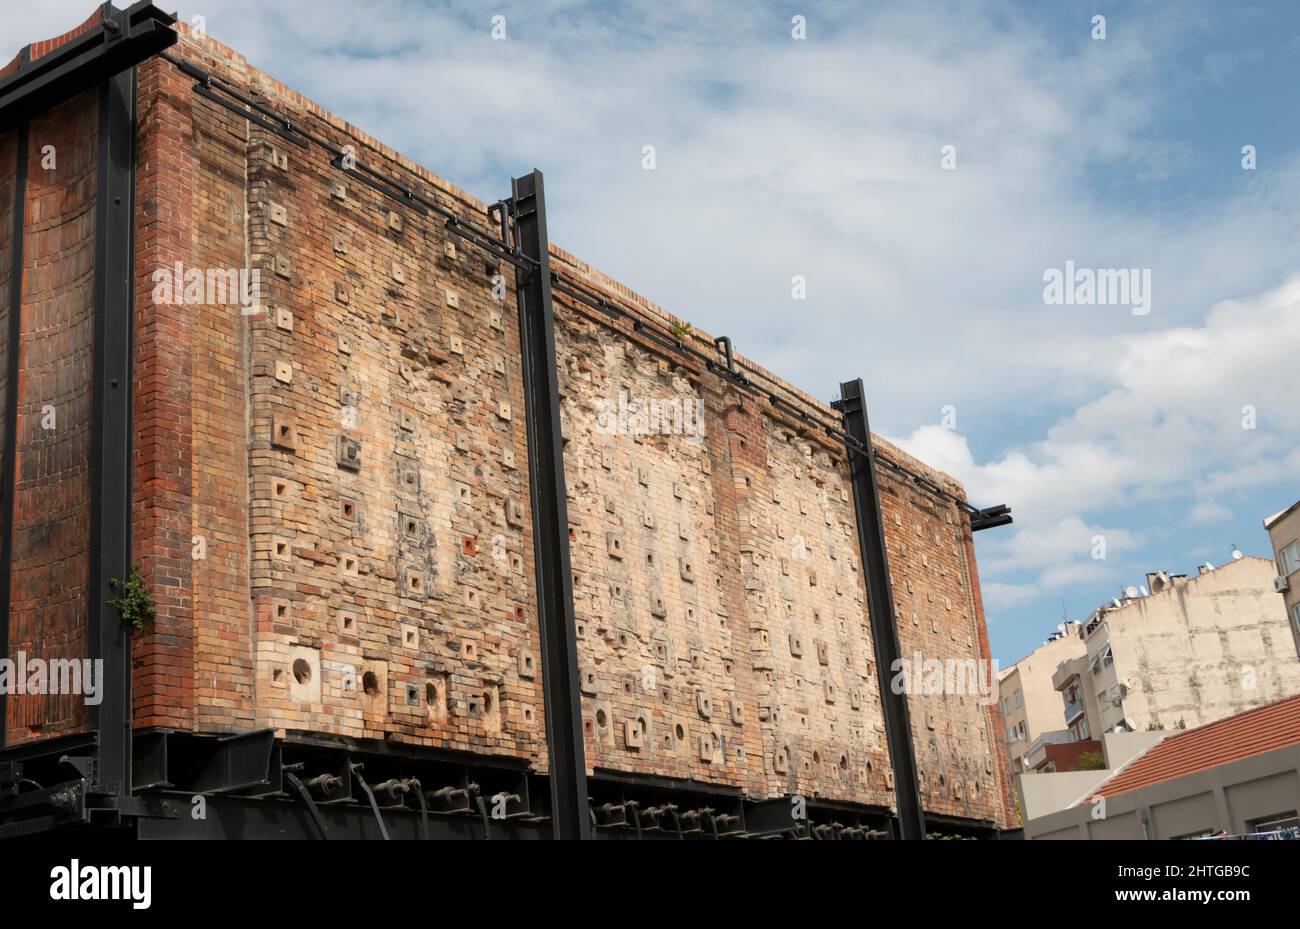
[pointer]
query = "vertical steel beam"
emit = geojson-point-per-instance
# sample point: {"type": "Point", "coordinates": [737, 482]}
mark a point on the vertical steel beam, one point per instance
{"type": "Point", "coordinates": [110, 474]}
{"type": "Point", "coordinates": [7, 478]}
{"type": "Point", "coordinates": [880, 603]}
{"type": "Point", "coordinates": [570, 812]}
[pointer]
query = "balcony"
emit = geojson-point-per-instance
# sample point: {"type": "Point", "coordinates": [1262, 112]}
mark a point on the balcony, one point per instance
{"type": "Point", "coordinates": [1073, 711]}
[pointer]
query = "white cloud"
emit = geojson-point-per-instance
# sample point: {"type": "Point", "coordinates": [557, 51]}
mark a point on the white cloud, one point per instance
{"type": "Point", "coordinates": [999, 596]}
{"type": "Point", "coordinates": [1208, 513]}
{"type": "Point", "coordinates": [1169, 426]}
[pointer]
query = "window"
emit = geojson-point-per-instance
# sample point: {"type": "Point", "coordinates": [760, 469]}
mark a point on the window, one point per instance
{"type": "Point", "coordinates": [1288, 560]}
{"type": "Point", "coordinates": [1080, 730]}
{"type": "Point", "coordinates": [1020, 699]}
{"type": "Point", "coordinates": [1275, 823]}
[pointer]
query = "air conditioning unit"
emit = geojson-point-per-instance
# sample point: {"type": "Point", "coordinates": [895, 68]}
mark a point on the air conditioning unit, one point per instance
{"type": "Point", "coordinates": [1280, 583]}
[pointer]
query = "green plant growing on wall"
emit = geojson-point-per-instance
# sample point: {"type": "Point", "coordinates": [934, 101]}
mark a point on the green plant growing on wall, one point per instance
{"type": "Point", "coordinates": [133, 602]}
{"type": "Point", "coordinates": [1090, 761]}
{"type": "Point", "coordinates": [682, 330]}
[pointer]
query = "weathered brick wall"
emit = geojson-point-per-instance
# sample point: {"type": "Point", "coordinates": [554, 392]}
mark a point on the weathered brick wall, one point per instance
{"type": "Point", "coordinates": [163, 393]}
{"type": "Point", "coordinates": [806, 599]}
{"type": "Point", "coordinates": [50, 568]}
{"type": "Point", "coordinates": [332, 502]}
{"type": "Point", "coordinates": [663, 647]}
{"type": "Point", "coordinates": [936, 597]}
{"type": "Point", "coordinates": [347, 516]}
{"type": "Point", "coordinates": [779, 528]}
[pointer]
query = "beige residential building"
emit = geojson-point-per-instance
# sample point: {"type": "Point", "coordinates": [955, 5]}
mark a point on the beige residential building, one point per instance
{"type": "Point", "coordinates": [1284, 531]}
{"type": "Point", "coordinates": [1030, 704]}
{"type": "Point", "coordinates": [1181, 652]}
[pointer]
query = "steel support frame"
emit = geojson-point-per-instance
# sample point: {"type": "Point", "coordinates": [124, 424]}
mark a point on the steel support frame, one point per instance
{"type": "Point", "coordinates": [121, 40]}
{"type": "Point", "coordinates": [570, 813]}
{"type": "Point", "coordinates": [880, 604]}
{"type": "Point", "coordinates": [110, 474]}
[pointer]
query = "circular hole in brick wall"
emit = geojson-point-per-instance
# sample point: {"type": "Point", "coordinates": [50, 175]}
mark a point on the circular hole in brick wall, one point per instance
{"type": "Point", "coordinates": [601, 719]}
{"type": "Point", "coordinates": [301, 671]}
{"type": "Point", "coordinates": [680, 732]}
{"type": "Point", "coordinates": [370, 683]}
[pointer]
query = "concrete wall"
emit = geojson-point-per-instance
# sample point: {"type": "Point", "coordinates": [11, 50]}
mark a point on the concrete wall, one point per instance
{"type": "Point", "coordinates": [1201, 650]}
{"type": "Point", "coordinates": [1119, 748]}
{"type": "Point", "coordinates": [1225, 798]}
{"type": "Point", "coordinates": [1282, 533]}
{"type": "Point", "coordinates": [1042, 794]}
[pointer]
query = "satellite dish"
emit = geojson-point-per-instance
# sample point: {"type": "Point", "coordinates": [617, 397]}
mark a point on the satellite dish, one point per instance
{"type": "Point", "coordinates": [1236, 553]}
{"type": "Point", "coordinates": [1130, 592]}
{"type": "Point", "coordinates": [1208, 566]}
{"type": "Point", "coordinates": [1115, 602]}
{"type": "Point", "coordinates": [1143, 589]}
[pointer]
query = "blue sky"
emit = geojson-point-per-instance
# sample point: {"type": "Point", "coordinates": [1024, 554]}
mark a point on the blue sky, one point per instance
{"type": "Point", "coordinates": [822, 158]}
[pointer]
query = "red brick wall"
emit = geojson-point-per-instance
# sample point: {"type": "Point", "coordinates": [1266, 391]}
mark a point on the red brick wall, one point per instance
{"type": "Point", "coordinates": [388, 600]}
{"type": "Point", "coordinates": [51, 567]}
{"type": "Point", "coordinates": [163, 655]}
{"type": "Point", "coordinates": [331, 500]}
{"type": "Point", "coordinates": [936, 602]}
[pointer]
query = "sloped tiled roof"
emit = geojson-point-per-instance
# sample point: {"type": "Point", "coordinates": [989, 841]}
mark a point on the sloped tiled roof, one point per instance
{"type": "Point", "coordinates": [1253, 732]}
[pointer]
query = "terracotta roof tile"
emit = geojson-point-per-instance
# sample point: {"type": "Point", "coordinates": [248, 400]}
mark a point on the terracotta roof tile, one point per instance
{"type": "Point", "coordinates": [1253, 732]}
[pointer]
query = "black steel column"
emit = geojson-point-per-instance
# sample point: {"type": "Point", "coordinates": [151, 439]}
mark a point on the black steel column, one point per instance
{"type": "Point", "coordinates": [570, 813]}
{"type": "Point", "coordinates": [110, 474]}
{"type": "Point", "coordinates": [880, 603]}
{"type": "Point", "coordinates": [11, 404]}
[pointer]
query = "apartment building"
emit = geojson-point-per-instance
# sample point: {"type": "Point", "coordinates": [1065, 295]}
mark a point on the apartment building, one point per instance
{"type": "Point", "coordinates": [1181, 652]}
{"type": "Point", "coordinates": [1284, 532]}
{"type": "Point", "coordinates": [1031, 706]}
